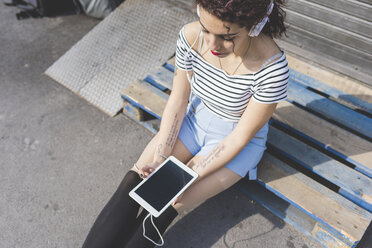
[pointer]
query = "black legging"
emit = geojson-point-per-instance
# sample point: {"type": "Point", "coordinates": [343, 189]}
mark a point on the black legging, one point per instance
{"type": "Point", "coordinates": [117, 225]}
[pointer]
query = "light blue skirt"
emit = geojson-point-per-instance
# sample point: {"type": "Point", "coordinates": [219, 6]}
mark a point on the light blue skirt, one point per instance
{"type": "Point", "coordinates": [201, 130]}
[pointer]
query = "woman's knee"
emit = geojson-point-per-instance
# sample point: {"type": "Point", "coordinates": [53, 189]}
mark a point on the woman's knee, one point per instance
{"type": "Point", "coordinates": [206, 188]}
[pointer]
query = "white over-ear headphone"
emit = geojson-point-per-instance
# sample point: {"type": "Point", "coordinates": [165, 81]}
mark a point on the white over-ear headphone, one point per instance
{"type": "Point", "coordinates": [256, 30]}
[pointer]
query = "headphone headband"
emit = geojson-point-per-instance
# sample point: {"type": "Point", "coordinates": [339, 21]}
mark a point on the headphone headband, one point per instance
{"type": "Point", "coordinates": [256, 29]}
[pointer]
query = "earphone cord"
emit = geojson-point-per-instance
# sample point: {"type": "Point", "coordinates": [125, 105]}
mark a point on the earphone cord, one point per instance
{"type": "Point", "coordinates": [144, 235]}
{"type": "Point", "coordinates": [187, 73]}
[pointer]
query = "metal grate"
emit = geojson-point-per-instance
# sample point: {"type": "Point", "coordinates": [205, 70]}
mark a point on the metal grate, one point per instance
{"type": "Point", "coordinates": [138, 36]}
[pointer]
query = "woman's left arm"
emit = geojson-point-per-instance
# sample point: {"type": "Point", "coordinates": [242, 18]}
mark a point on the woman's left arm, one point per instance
{"type": "Point", "coordinates": [253, 119]}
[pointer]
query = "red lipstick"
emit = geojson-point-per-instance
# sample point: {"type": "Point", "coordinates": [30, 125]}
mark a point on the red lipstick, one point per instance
{"type": "Point", "coordinates": [215, 53]}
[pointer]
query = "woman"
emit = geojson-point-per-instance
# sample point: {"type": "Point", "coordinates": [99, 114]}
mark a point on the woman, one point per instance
{"type": "Point", "coordinates": [233, 75]}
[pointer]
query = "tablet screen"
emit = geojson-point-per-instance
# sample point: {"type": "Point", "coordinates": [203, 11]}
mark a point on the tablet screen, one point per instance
{"type": "Point", "coordinates": [161, 187]}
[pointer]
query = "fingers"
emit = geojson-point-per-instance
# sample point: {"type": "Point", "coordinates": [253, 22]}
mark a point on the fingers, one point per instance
{"type": "Point", "coordinates": [178, 199]}
{"type": "Point", "coordinates": [148, 169]}
{"type": "Point", "coordinates": [147, 172]}
{"type": "Point", "coordinates": [144, 171]}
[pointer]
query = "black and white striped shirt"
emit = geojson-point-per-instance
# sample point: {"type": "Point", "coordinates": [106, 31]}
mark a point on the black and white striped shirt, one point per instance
{"type": "Point", "coordinates": [227, 95]}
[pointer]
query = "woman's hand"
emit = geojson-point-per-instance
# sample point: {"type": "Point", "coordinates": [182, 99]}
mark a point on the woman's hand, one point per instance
{"type": "Point", "coordinates": [178, 198]}
{"type": "Point", "coordinates": [148, 169]}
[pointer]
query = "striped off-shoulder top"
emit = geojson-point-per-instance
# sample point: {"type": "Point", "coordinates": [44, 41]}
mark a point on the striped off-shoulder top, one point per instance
{"type": "Point", "coordinates": [227, 95]}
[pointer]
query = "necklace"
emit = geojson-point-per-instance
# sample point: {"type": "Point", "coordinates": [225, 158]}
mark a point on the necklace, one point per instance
{"type": "Point", "coordinates": [249, 46]}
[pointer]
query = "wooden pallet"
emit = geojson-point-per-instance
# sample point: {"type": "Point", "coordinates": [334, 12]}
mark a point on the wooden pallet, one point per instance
{"type": "Point", "coordinates": [317, 172]}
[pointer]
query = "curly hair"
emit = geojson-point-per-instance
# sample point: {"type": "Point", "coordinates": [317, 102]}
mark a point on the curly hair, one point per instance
{"type": "Point", "coordinates": [247, 13]}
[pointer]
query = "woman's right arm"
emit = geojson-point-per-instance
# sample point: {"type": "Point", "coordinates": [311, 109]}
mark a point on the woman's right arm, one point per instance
{"type": "Point", "coordinates": [175, 108]}
{"type": "Point", "coordinates": [173, 115]}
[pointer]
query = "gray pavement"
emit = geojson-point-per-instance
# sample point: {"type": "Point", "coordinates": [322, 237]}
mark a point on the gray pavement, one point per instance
{"type": "Point", "coordinates": [61, 158]}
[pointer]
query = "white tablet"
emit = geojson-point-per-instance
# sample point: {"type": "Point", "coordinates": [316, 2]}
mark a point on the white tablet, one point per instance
{"type": "Point", "coordinates": [156, 192]}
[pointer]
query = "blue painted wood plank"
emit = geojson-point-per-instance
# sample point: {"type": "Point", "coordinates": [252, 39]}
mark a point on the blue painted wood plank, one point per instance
{"type": "Point", "coordinates": [140, 106]}
{"type": "Point", "coordinates": [146, 124]}
{"type": "Point", "coordinates": [353, 185]}
{"type": "Point", "coordinates": [169, 66]}
{"type": "Point", "coordinates": [358, 166]}
{"type": "Point", "coordinates": [154, 83]}
{"type": "Point", "coordinates": [318, 85]}
{"type": "Point", "coordinates": [161, 78]}
{"type": "Point", "coordinates": [317, 201]}
{"type": "Point", "coordinates": [337, 112]}
{"type": "Point", "coordinates": [293, 216]}
{"type": "Point", "coordinates": [145, 96]}
{"type": "Point", "coordinates": [285, 170]}
{"type": "Point", "coordinates": [132, 111]}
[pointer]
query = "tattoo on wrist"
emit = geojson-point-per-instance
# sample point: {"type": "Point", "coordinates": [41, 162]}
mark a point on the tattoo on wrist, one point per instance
{"type": "Point", "coordinates": [159, 149]}
{"type": "Point", "coordinates": [173, 132]}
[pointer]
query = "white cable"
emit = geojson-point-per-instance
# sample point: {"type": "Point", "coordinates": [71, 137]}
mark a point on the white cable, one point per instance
{"type": "Point", "coordinates": [144, 235]}
{"type": "Point", "coordinates": [187, 54]}
{"type": "Point", "coordinates": [188, 51]}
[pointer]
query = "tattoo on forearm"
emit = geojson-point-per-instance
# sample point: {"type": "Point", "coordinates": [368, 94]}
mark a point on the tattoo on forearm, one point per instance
{"type": "Point", "coordinates": [215, 153]}
{"type": "Point", "coordinates": [159, 149]}
{"type": "Point", "coordinates": [173, 132]}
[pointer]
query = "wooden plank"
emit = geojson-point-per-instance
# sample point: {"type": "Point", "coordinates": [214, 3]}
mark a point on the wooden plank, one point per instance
{"type": "Point", "coordinates": [187, 3]}
{"type": "Point", "coordinates": [137, 114]}
{"type": "Point", "coordinates": [357, 60]}
{"type": "Point", "coordinates": [354, 8]}
{"type": "Point", "coordinates": [353, 147]}
{"type": "Point", "coordinates": [345, 116]}
{"type": "Point", "coordinates": [337, 81]}
{"type": "Point", "coordinates": [161, 78]}
{"type": "Point", "coordinates": [322, 147]}
{"type": "Point", "coordinates": [365, 1]}
{"type": "Point", "coordinates": [170, 64]}
{"type": "Point", "coordinates": [301, 221]}
{"type": "Point", "coordinates": [343, 68]}
{"type": "Point", "coordinates": [335, 214]}
{"type": "Point", "coordinates": [317, 85]}
{"type": "Point", "coordinates": [338, 35]}
{"type": "Point", "coordinates": [133, 112]}
{"type": "Point", "coordinates": [353, 185]}
{"type": "Point", "coordinates": [145, 96]}
{"type": "Point", "coordinates": [330, 16]}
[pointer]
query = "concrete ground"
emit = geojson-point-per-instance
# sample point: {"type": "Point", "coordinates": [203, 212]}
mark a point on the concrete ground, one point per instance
{"type": "Point", "coordinates": [61, 158]}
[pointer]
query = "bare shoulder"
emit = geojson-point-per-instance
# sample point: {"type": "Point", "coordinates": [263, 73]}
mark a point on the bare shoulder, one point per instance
{"type": "Point", "coordinates": [268, 47]}
{"type": "Point", "coordinates": [191, 32]}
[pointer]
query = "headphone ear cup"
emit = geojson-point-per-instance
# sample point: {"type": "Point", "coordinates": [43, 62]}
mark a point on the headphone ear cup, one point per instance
{"type": "Point", "coordinates": [198, 10]}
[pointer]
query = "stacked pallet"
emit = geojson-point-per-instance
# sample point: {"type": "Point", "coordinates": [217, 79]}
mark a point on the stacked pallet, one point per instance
{"type": "Point", "coordinates": [316, 174]}
{"type": "Point", "coordinates": [336, 34]}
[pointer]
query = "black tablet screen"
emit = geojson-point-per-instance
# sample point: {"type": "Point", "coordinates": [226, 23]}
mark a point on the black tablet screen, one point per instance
{"type": "Point", "coordinates": [161, 187]}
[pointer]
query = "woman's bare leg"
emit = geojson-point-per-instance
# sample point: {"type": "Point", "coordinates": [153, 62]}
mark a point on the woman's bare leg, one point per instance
{"type": "Point", "coordinates": [206, 188]}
